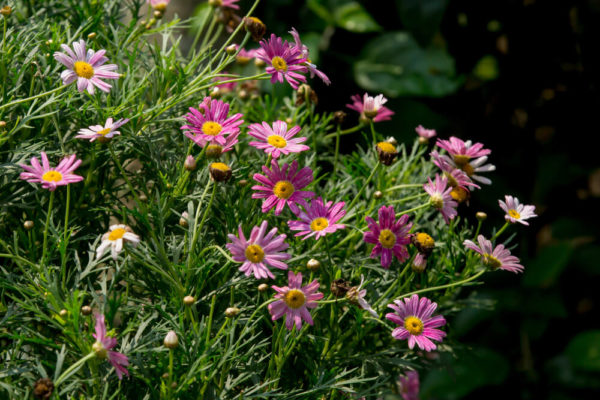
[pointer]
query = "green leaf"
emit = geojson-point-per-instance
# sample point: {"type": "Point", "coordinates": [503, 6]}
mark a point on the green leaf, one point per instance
{"type": "Point", "coordinates": [422, 18]}
{"type": "Point", "coordinates": [545, 269]}
{"type": "Point", "coordinates": [353, 17]}
{"type": "Point", "coordinates": [584, 351]}
{"type": "Point", "coordinates": [322, 11]}
{"type": "Point", "coordinates": [397, 66]}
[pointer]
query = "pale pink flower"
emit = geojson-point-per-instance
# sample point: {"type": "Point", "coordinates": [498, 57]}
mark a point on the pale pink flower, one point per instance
{"type": "Point", "coordinates": [260, 250]}
{"type": "Point", "coordinates": [515, 211]}
{"type": "Point", "coordinates": [318, 219]}
{"type": "Point", "coordinates": [409, 385]}
{"type": "Point", "coordinates": [469, 157]}
{"type": "Point", "coordinates": [389, 236]}
{"type": "Point", "coordinates": [294, 301]}
{"type": "Point", "coordinates": [496, 258]}
{"type": "Point", "coordinates": [425, 133]}
{"type": "Point", "coordinates": [456, 177]}
{"type": "Point", "coordinates": [102, 132]}
{"type": "Point", "coordinates": [116, 236]}
{"type": "Point", "coordinates": [440, 197]}
{"type": "Point", "coordinates": [104, 345]}
{"type": "Point", "coordinates": [413, 315]}
{"type": "Point", "coordinates": [278, 139]}
{"type": "Point", "coordinates": [283, 61]}
{"type": "Point", "coordinates": [210, 123]}
{"type": "Point", "coordinates": [371, 107]}
{"type": "Point", "coordinates": [86, 67]}
{"type": "Point", "coordinates": [304, 54]}
{"type": "Point", "coordinates": [51, 177]}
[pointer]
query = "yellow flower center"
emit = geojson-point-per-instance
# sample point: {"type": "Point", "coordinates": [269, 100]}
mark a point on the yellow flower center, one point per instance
{"type": "Point", "coordinates": [461, 160]}
{"type": "Point", "coordinates": [413, 325]}
{"type": "Point", "coordinates": [103, 131]}
{"type": "Point", "coordinates": [283, 189]}
{"type": "Point", "coordinates": [318, 224]}
{"type": "Point", "coordinates": [425, 240]}
{"type": "Point", "coordinates": [220, 166]}
{"type": "Point", "coordinates": [294, 298]}
{"type": "Point", "coordinates": [116, 234]}
{"type": "Point", "coordinates": [254, 253]}
{"type": "Point", "coordinates": [386, 147]}
{"type": "Point", "coordinates": [211, 128]}
{"type": "Point", "coordinates": [387, 238]}
{"type": "Point", "coordinates": [83, 69]}
{"type": "Point", "coordinates": [52, 176]}
{"type": "Point", "coordinates": [277, 141]}
{"type": "Point", "coordinates": [437, 201]}
{"type": "Point", "coordinates": [491, 261]}
{"type": "Point", "coordinates": [459, 194]}
{"type": "Point", "coordinates": [100, 351]}
{"type": "Point", "coordinates": [468, 169]}
{"type": "Point", "coordinates": [514, 213]}
{"type": "Point", "coordinates": [279, 64]}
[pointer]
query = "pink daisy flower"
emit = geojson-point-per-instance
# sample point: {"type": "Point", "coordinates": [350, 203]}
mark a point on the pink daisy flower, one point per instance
{"type": "Point", "coordinates": [85, 67]}
{"type": "Point", "coordinates": [294, 301]}
{"type": "Point", "coordinates": [515, 211]}
{"type": "Point", "coordinates": [318, 219]}
{"type": "Point", "coordinates": [469, 157]}
{"type": "Point", "coordinates": [104, 345]}
{"type": "Point", "coordinates": [456, 177]}
{"type": "Point", "coordinates": [224, 87]}
{"type": "Point", "coordinates": [283, 60]}
{"type": "Point", "coordinates": [50, 177]}
{"type": "Point", "coordinates": [495, 258]}
{"type": "Point", "coordinates": [281, 186]}
{"type": "Point", "coordinates": [371, 107]}
{"type": "Point", "coordinates": [416, 323]}
{"type": "Point", "coordinates": [389, 236]}
{"type": "Point", "coordinates": [278, 139]}
{"type": "Point", "coordinates": [425, 133]}
{"type": "Point", "coordinates": [102, 132]}
{"type": "Point", "coordinates": [114, 239]}
{"type": "Point", "coordinates": [409, 385]}
{"type": "Point", "coordinates": [227, 4]}
{"type": "Point", "coordinates": [304, 54]}
{"type": "Point", "coordinates": [209, 123]}
{"type": "Point", "coordinates": [259, 251]}
{"type": "Point", "coordinates": [440, 198]}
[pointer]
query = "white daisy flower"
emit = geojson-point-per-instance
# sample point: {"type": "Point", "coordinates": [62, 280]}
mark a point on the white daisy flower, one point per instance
{"type": "Point", "coordinates": [114, 239]}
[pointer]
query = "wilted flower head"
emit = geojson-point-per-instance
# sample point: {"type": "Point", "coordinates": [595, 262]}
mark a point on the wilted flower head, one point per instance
{"type": "Point", "coordinates": [260, 250]}
{"type": "Point", "coordinates": [278, 139]}
{"type": "Point", "coordinates": [440, 198]}
{"type": "Point", "coordinates": [283, 61]}
{"type": "Point", "coordinates": [515, 211]}
{"type": "Point", "coordinates": [318, 219]}
{"type": "Point", "coordinates": [294, 301]}
{"type": "Point", "coordinates": [413, 315]}
{"type": "Point", "coordinates": [210, 124]}
{"type": "Point", "coordinates": [103, 346]}
{"type": "Point", "coordinates": [116, 236]}
{"type": "Point", "coordinates": [387, 152]}
{"type": "Point", "coordinates": [51, 177]}
{"type": "Point", "coordinates": [389, 236]}
{"type": "Point", "coordinates": [86, 67]}
{"type": "Point", "coordinates": [495, 258]}
{"type": "Point", "coordinates": [304, 54]}
{"type": "Point", "coordinates": [357, 295]}
{"type": "Point", "coordinates": [102, 132]}
{"type": "Point", "coordinates": [371, 107]}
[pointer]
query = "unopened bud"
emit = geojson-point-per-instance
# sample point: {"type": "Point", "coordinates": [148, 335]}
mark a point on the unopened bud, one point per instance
{"type": "Point", "coordinates": [423, 140]}
{"type": "Point", "coordinates": [243, 94]}
{"type": "Point", "coordinates": [213, 151]}
{"type": "Point", "coordinates": [263, 287]}
{"type": "Point", "coordinates": [143, 197]}
{"type": "Point", "coordinates": [183, 221]}
{"type": "Point", "coordinates": [481, 216]}
{"type": "Point", "coordinates": [28, 225]}
{"type": "Point", "coordinates": [86, 310]}
{"type": "Point", "coordinates": [171, 341]}
{"type": "Point", "coordinates": [165, 375]}
{"type": "Point", "coordinates": [420, 263]}
{"type": "Point", "coordinates": [243, 182]}
{"type": "Point", "coordinates": [305, 92]}
{"type": "Point", "coordinates": [63, 313]}
{"type": "Point", "coordinates": [2, 124]}
{"type": "Point", "coordinates": [259, 63]}
{"type": "Point", "coordinates": [289, 121]}
{"type": "Point", "coordinates": [173, 385]}
{"type": "Point", "coordinates": [190, 163]}
{"type": "Point", "coordinates": [219, 171]}
{"type": "Point", "coordinates": [313, 265]}
{"type": "Point", "coordinates": [231, 312]}
{"type": "Point", "coordinates": [378, 194]}
{"type": "Point", "coordinates": [189, 300]}
{"type": "Point", "coordinates": [339, 117]}
{"type": "Point", "coordinates": [215, 93]}
{"type": "Point", "coordinates": [215, 3]}
{"type": "Point", "coordinates": [157, 14]}
{"type": "Point", "coordinates": [49, 41]}
{"type": "Point", "coordinates": [256, 27]}
{"type": "Point", "coordinates": [92, 36]}
{"type": "Point", "coordinates": [231, 49]}
{"type": "Point", "coordinates": [6, 10]}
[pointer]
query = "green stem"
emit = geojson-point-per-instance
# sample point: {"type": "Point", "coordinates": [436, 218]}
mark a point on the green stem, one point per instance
{"type": "Point", "coordinates": [72, 369]}
{"type": "Point", "coordinates": [344, 132]}
{"type": "Point", "coordinates": [409, 198]}
{"type": "Point", "coordinates": [196, 230]}
{"type": "Point", "coordinates": [13, 103]}
{"type": "Point", "coordinates": [170, 388]}
{"type": "Point", "coordinates": [362, 189]}
{"type": "Point", "coordinates": [120, 167]}
{"type": "Point", "coordinates": [64, 260]}
{"type": "Point", "coordinates": [479, 223]}
{"type": "Point", "coordinates": [506, 224]}
{"type": "Point", "coordinates": [337, 150]}
{"type": "Point", "coordinates": [392, 286]}
{"type": "Point", "coordinates": [373, 133]}
{"type": "Point", "coordinates": [210, 203]}
{"type": "Point", "coordinates": [449, 285]}
{"type": "Point", "coordinates": [405, 186]}
{"type": "Point", "coordinates": [413, 209]}
{"type": "Point", "coordinates": [45, 245]}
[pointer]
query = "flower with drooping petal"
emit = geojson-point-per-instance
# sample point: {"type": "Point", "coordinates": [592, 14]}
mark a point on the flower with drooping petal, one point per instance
{"type": "Point", "coordinates": [496, 258]}
{"type": "Point", "coordinates": [416, 323]}
{"type": "Point", "coordinates": [440, 198]}
{"type": "Point", "coordinates": [210, 124]}
{"type": "Point", "coordinates": [102, 132]}
{"type": "Point", "coordinates": [469, 157]}
{"type": "Point", "coordinates": [104, 345]}
{"type": "Point", "coordinates": [515, 211]}
{"type": "Point", "coordinates": [283, 61]}
{"type": "Point", "coordinates": [116, 236]}
{"type": "Point", "coordinates": [294, 301]}
{"type": "Point", "coordinates": [389, 236]}
{"type": "Point", "coordinates": [278, 139]}
{"type": "Point", "coordinates": [425, 133]}
{"type": "Point", "coordinates": [260, 250]}
{"type": "Point", "coordinates": [357, 295]}
{"type": "Point", "coordinates": [281, 186]}
{"type": "Point", "coordinates": [86, 67]}
{"type": "Point", "coordinates": [318, 219]}
{"type": "Point", "coordinates": [51, 177]}
{"type": "Point", "coordinates": [371, 107]}
{"type": "Point", "coordinates": [409, 385]}
{"type": "Point", "coordinates": [304, 54]}
{"type": "Point", "coordinates": [456, 177]}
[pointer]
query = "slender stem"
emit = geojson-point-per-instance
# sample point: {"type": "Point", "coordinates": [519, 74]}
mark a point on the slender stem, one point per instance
{"type": "Point", "coordinates": [373, 133]}
{"type": "Point", "coordinates": [392, 286]}
{"type": "Point", "coordinates": [449, 285]}
{"type": "Point", "coordinates": [337, 149]}
{"type": "Point", "coordinates": [413, 209]}
{"type": "Point", "coordinates": [210, 202]}
{"type": "Point", "coordinates": [404, 186]}
{"type": "Point", "coordinates": [196, 230]}
{"type": "Point", "coordinates": [344, 132]}
{"type": "Point", "coordinates": [268, 163]}
{"type": "Point", "coordinates": [64, 259]}
{"type": "Point", "coordinates": [37, 96]}
{"type": "Point", "coordinates": [120, 167]}
{"type": "Point", "coordinates": [45, 245]}
{"type": "Point", "coordinates": [479, 223]}
{"type": "Point", "coordinates": [210, 318]}
{"type": "Point", "coordinates": [506, 224]}
{"type": "Point", "coordinates": [73, 368]}
{"type": "Point", "coordinates": [170, 388]}
{"type": "Point", "coordinates": [362, 189]}
{"type": "Point", "coordinates": [409, 198]}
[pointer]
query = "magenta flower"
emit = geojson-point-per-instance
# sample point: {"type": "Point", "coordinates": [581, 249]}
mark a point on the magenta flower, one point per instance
{"type": "Point", "coordinates": [294, 301]}
{"type": "Point", "coordinates": [409, 385]}
{"type": "Point", "coordinates": [102, 132]}
{"type": "Point", "coordinates": [416, 323]}
{"type": "Point", "coordinates": [304, 54]}
{"type": "Point", "coordinates": [495, 258]}
{"type": "Point", "coordinates": [209, 123]}
{"type": "Point", "coordinates": [440, 197]}
{"type": "Point", "coordinates": [425, 133]}
{"type": "Point", "coordinates": [278, 139]}
{"type": "Point", "coordinates": [319, 219]}
{"type": "Point", "coordinates": [515, 211]}
{"type": "Point", "coordinates": [371, 107]}
{"type": "Point", "coordinates": [258, 250]}
{"type": "Point", "coordinates": [228, 4]}
{"type": "Point", "coordinates": [103, 347]}
{"type": "Point", "coordinates": [244, 56]}
{"type": "Point", "coordinates": [281, 186]}
{"type": "Point", "coordinates": [471, 158]}
{"type": "Point", "coordinates": [87, 67]}
{"type": "Point", "coordinates": [456, 177]}
{"type": "Point", "coordinates": [227, 86]}
{"type": "Point", "coordinates": [283, 60]}
{"type": "Point", "coordinates": [50, 177]}
{"type": "Point", "coordinates": [389, 236]}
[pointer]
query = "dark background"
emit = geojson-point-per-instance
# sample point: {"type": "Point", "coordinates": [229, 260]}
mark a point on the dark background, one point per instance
{"type": "Point", "coordinates": [524, 84]}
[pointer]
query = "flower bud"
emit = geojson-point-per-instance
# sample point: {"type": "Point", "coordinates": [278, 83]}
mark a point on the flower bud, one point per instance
{"type": "Point", "coordinates": [215, 3]}
{"type": "Point", "coordinates": [165, 375]}
{"type": "Point", "coordinates": [259, 63]}
{"type": "Point", "coordinates": [171, 341]}
{"type": "Point", "coordinates": [289, 121]}
{"type": "Point", "coordinates": [2, 124]}
{"type": "Point", "coordinates": [263, 287]}
{"type": "Point", "coordinates": [215, 93]}
{"type": "Point", "coordinates": [419, 263]}
{"type": "Point", "coordinates": [99, 349]}
{"type": "Point", "coordinates": [219, 172]}
{"type": "Point", "coordinates": [387, 152]}
{"type": "Point", "coordinates": [242, 94]}
{"type": "Point", "coordinates": [378, 194]}
{"type": "Point", "coordinates": [143, 197]}
{"type": "Point", "coordinates": [231, 312]}
{"type": "Point", "coordinates": [423, 140]}
{"type": "Point", "coordinates": [162, 6]}
{"type": "Point", "coordinates": [173, 385]}
{"type": "Point", "coordinates": [86, 310]}
{"type": "Point", "coordinates": [243, 182]}
{"type": "Point", "coordinates": [92, 36]}
{"type": "Point", "coordinates": [28, 225]}
{"type": "Point", "coordinates": [256, 28]}
{"type": "Point", "coordinates": [6, 10]}
{"type": "Point", "coordinates": [43, 388]}
{"type": "Point", "coordinates": [157, 14]}
{"type": "Point", "coordinates": [63, 313]}
{"type": "Point", "coordinates": [339, 117]}
{"type": "Point", "coordinates": [213, 151]}
{"type": "Point", "coordinates": [231, 49]}
{"type": "Point", "coordinates": [183, 221]}
{"type": "Point", "coordinates": [481, 216]}
{"type": "Point", "coordinates": [190, 163]}
{"type": "Point", "coordinates": [305, 92]}
{"type": "Point", "coordinates": [313, 265]}
{"type": "Point", "coordinates": [189, 300]}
